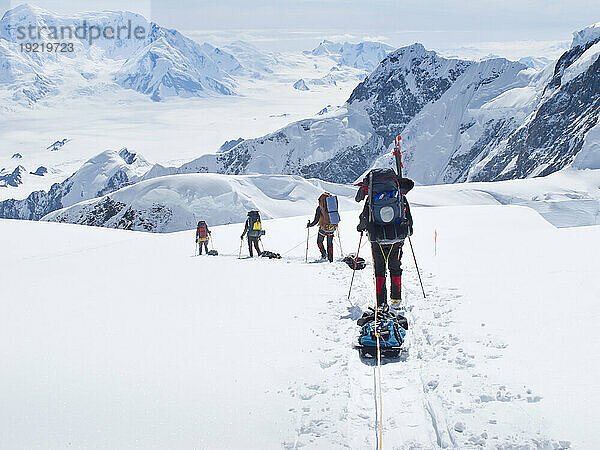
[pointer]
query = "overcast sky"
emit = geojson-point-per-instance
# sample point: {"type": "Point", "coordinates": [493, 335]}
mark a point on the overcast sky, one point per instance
{"type": "Point", "coordinates": [437, 22]}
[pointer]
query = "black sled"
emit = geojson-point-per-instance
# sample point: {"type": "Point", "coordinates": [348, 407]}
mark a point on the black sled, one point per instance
{"type": "Point", "coordinates": [270, 255]}
{"type": "Point", "coordinates": [354, 262]}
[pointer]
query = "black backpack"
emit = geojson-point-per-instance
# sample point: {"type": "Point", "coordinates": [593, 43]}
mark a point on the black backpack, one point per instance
{"type": "Point", "coordinates": [387, 203]}
{"type": "Point", "coordinates": [254, 224]}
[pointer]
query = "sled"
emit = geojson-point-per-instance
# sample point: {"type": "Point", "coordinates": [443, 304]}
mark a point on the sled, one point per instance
{"type": "Point", "coordinates": [392, 331]}
{"type": "Point", "coordinates": [367, 351]}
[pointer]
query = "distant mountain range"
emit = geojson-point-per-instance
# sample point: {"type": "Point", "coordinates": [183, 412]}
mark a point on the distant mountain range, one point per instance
{"type": "Point", "coordinates": [460, 121]}
{"type": "Point", "coordinates": [162, 64]}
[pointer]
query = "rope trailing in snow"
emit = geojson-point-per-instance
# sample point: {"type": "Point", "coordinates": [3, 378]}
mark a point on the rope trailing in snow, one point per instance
{"type": "Point", "coordinates": [377, 335]}
{"type": "Point", "coordinates": [295, 247]}
{"type": "Point", "coordinates": [380, 446]}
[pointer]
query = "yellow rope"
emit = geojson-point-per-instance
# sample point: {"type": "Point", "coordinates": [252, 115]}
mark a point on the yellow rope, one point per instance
{"type": "Point", "coordinates": [386, 258]}
{"type": "Point", "coordinates": [379, 351]}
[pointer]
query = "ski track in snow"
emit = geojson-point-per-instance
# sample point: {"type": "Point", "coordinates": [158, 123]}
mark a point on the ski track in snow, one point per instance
{"type": "Point", "coordinates": [435, 395]}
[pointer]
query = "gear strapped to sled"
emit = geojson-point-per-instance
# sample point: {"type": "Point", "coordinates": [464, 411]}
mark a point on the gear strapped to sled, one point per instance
{"type": "Point", "coordinates": [391, 329]}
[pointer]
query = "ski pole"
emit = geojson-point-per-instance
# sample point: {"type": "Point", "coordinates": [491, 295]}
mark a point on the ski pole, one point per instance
{"type": "Point", "coordinates": [241, 242]}
{"type": "Point", "coordinates": [340, 242]}
{"type": "Point", "coordinates": [355, 263]}
{"type": "Point", "coordinates": [415, 259]}
{"type": "Point", "coordinates": [307, 238]}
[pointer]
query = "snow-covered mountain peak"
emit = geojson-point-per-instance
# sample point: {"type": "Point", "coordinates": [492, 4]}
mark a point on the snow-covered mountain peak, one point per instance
{"type": "Point", "coordinates": [588, 34]}
{"type": "Point", "coordinates": [405, 81]}
{"type": "Point", "coordinates": [416, 65]}
{"type": "Point", "coordinates": [326, 47]}
{"type": "Point", "coordinates": [103, 163]}
{"type": "Point", "coordinates": [132, 158]}
{"type": "Point", "coordinates": [155, 60]}
{"type": "Point", "coordinates": [14, 178]}
{"type": "Point", "coordinates": [15, 27]}
{"type": "Point", "coordinates": [364, 55]}
{"type": "Point", "coordinates": [407, 57]}
{"type": "Point", "coordinates": [24, 11]}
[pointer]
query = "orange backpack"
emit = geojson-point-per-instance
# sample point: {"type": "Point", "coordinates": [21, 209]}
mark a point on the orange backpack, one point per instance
{"type": "Point", "coordinates": [330, 217]}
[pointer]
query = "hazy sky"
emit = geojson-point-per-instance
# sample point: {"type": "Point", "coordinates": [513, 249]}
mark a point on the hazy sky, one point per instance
{"type": "Point", "coordinates": [435, 23]}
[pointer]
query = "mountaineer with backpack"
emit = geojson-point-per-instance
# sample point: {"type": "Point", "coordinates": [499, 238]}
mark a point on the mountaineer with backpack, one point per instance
{"type": "Point", "coordinates": [386, 218]}
{"type": "Point", "coordinates": [202, 236]}
{"type": "Point", "coordinates": [253, 228]}
{"type": "Point", "coordinates": [328, 218]}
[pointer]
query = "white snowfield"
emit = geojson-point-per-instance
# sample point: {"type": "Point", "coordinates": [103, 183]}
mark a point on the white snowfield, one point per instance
{"type": "Point", "coordinates": [119, 339]}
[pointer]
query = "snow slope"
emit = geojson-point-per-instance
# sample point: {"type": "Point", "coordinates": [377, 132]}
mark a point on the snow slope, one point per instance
{"type": "Point", "coordinates": [171, 353]}
{"type": "Point", "coordinates": [531, 289]}
{"type": "Point", "coordinates": [177, 202]}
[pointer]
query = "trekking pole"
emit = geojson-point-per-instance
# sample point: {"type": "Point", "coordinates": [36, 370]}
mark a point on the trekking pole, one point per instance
{"type": "Point", "coordinates": [340, 242]}
{"type": "Point", "coordinates": [307, 238]}
{"type": "Point", "coordinates": [418, 273]}
{"type": "Point", "coordinates": [355, 263]}
{"type": "Point", "coordinates": [241, 242]}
